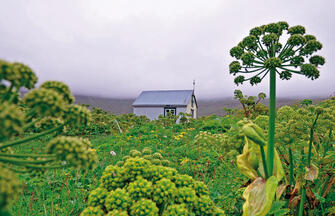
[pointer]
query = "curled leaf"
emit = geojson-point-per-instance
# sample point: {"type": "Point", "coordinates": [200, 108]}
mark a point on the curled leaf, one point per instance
{"type": "Point", "coordinates": [259, 196]}
{"type": "Point", "coordinates": [312, 172]}
{"type": "Point", "coordinates": [280, 190]}
{"type": "Point", "coordinates": [250, 161]}
{"type": "Point", "coordinates": [247, 162]}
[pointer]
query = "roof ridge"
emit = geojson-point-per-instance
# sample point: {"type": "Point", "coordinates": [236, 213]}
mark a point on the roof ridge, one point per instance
{"type": "Point", "coordinates": [164, 97]}
{"type": "Point", "coordinates": [167, 90]}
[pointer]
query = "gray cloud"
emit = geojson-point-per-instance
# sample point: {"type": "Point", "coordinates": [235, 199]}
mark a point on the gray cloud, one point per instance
{"type": "Point", "coordinates": [117, 48]}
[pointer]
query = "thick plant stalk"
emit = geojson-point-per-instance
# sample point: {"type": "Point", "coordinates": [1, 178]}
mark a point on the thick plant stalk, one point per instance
{"type": "Point", "coordinates": [272, 118]}
{"type": "Point", "coordinates": [291, 167]}
{"type": "Point", "coordinates": [303, 192]}
{"type": "Point", "coordinates": [27, 139]}
{"type": "Point", "coordinates": [302, 201]}
{"type": "Point", "coordinates": [327, 144]}
{"type": "Point", "coordinates": [23, 162]}
{"type": "Point", "coordinates": [264, 162]}
{"type": "Point", "coordinates": [33, 122]}
{"type": "Point", "coordinates": [311, 141]}
{"type": "Point", "coordinates": [16, 155]}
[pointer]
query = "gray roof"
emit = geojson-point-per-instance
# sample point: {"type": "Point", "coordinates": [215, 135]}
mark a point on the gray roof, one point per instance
{"type": "Point", "coordinates": [164, 98]}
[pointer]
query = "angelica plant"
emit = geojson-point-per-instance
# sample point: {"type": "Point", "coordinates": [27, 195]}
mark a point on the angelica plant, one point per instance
{"type": "Point", "coordinates": [48, 108]}
{"type": "Point", "coordinates": [248, 102]}
{"type": "Point", "coordinates": [263, 52]}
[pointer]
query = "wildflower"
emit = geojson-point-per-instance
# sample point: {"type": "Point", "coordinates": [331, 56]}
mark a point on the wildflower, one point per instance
{"type": "Point", "coordinates": [113, 153]}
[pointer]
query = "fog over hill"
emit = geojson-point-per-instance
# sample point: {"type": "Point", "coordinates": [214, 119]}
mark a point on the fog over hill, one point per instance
{"type": "Point", "coordinates": [206, 107]}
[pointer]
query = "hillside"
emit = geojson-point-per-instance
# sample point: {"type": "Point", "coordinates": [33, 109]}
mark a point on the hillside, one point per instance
{"type": "Point", "coordinates": [206, 107]}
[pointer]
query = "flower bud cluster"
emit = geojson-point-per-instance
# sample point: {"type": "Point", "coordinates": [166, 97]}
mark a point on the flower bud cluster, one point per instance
{"type": "Point", "coordinates": [272, 63]}
{"type": "Point", "coordinates": [97, 197]}
{"type": "Point", "coordinates": [117, 213]}
{"type": "Point", "coordinates": [9, 186]}
{"type": "Point", "coordinates": [60, 88]}
{"type": "Point", "coordinates": [296, 30]}
{"type": "Point", "coordinates": [274, 28]}
{"type": "Point", "coordinates": [11, 121]}
{"type": "Point", "coordinates": [186, 195]}
{"type": "Point", "coordinates": [236, 52]}
{"type": "Point", "coordinates": [296, 40]}
{"type": "Point", "coordinates": [317, 60]}
{"type": "Point", "coordinates": [239, 80]}
{"type": "Point", "coordinates": [112, 178]}
{"type": "Point", "coordinates": [269, 39]}
{"type": "Point", "coordinates": [76, 115]}
{"type": "Point", "coordinates": [310, 71]}
{"type": "Point", "coordinates": [138, 187]}
{"type": "Point", "coordinates": [309, 37]}
{"type": "Point", "coordinates": [262, 121]}
{"type": "Point", "coordinates": [144, 207]}
{"type": "Point", "coordinates": [164, 191]}
{"type": "Point", "coordinates": [47, 123]}
{"type": "Point", "coordinates": [155, 158]}
{"type": "Point", "coordinates": [160, 172]}
{"type": "Point", "coordinates": [176, 209]}
{"type": "Point", "coordinates": [249, 42]}
{"type": "Point", "coordinates": [204, 206]}
{"type": "Point", "coordinates": [311, 47]}
{"type": "Point", "coordinates": [73, 150]}
{"type": "Point", "coordinates": [248, 58]}
{"type": "Point", "coordinates": [201, 189]}
{"type": "Point", "coordinates": [234, 67]}
{"type": "Point", "coordinates": [92, 211]}
{"type": "Point", "coordinates": [118, 199]}
{"type": "Point", "coordinates": [224, 142]}
{"type": "Point", "coordinates": [45, 102]}
{"type": "Point", "coordinates": [18, 74]}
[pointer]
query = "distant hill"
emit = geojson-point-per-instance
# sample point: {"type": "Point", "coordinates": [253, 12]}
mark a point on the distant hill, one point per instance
{"type": "Point", "coordinates": [206, 107]}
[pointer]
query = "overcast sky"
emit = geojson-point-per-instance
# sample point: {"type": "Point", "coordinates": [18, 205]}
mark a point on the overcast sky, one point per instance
{"type": "Point", "coordinates": [117, 48]}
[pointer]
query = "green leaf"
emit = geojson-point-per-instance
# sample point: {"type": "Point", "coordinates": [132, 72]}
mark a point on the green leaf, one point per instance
{"type": "Point", "coordinates": [278, 209]}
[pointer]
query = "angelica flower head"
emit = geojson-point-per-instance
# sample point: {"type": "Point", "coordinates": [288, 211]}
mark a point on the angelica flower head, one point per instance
{"type": "Point", "coordinates": [263, 51]}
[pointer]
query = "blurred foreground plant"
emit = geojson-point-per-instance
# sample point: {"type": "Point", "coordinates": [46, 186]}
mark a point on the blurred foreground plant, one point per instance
{"type": "Point", "coordinates": [50, 108]}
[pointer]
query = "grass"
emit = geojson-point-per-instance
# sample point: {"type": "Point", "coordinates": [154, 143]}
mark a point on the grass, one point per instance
{"type": "Point", "coordinates": [65, 191]}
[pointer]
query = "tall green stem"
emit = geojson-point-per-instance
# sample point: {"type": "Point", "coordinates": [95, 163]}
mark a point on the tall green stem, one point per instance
{"type": "Point", "coordinates": [302, 201]}
{"type": "Point", "coordinates": [311, 141]}
{"type": "Point", "coordinates": [21, 162]}
{"type": "Point", "coordinates": [29, 138]}
{"type": "Point", "coordinates": [27, 155]}
{"type": "Point", "coordinates": [264, 162]}
{"type": "Point", "coordinates": [291, 167]}
{"type": "Point", "coordinates": [31, 123]}
{"type": "Point", "coordinates": [272, 118]}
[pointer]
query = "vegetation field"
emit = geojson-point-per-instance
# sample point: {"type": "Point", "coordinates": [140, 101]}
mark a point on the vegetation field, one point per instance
{"type": "Point", "coordinates": [65, 191]}
{"type": "Point", "coordinates": [60, 158]}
